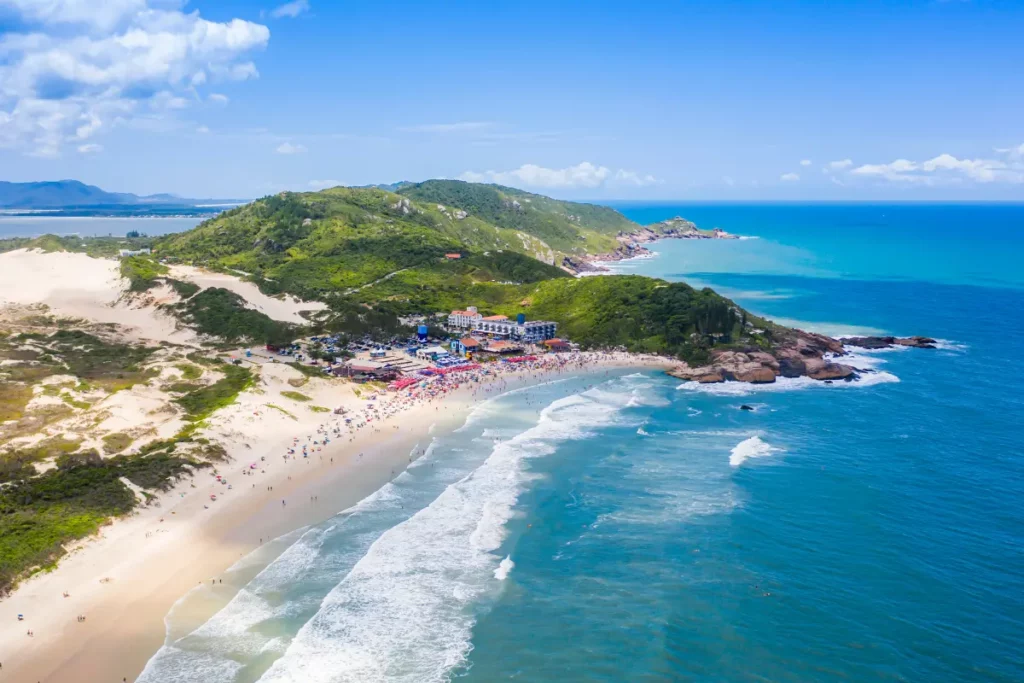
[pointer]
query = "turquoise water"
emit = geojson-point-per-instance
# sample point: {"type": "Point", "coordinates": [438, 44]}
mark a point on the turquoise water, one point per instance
{"type": "Point", "coordinates": [626, 528]}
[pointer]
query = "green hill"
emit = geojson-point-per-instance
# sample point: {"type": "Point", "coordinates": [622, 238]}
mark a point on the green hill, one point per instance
{"type": "Point", "coordinates": [569, 227]}
{"type": "Point", "coordinates": [373, 255]}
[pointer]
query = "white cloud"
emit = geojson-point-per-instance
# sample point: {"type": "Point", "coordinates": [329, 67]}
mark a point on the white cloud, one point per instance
{"type": "Point", "coordinates": [90, 148]}
{"type": "Point", "coordinates": [102, 15]}
{"type": "Point", "coordinates": [324, 184]}
{"type": "Point", "coordinates": [583, 175]}
{"type": "Point", "coordinates": [805, 162]}
{"type": "Point", "coordinates": [217, 98]}
{"type": "Point", "coordinates": [946, 169]}
{"type": "Point", "coordinates": [634, 178]}
{"type": "Point", "coordinates": [1013, 152]}
{"type": "Point", "coordinates": [89, 65]}
{"type": "Point", "coordinates": [202, 130]}
{"type": "Point", "coordinates": [789, 177]}
{"type": "Point", "coordinates": [290, 9]}
{"type": "Point", "coordinates": [839, 165]}
{"type": "Point", "coordinates": [457, 127]}
{"type": "Point", "coordinates": [289, 148]}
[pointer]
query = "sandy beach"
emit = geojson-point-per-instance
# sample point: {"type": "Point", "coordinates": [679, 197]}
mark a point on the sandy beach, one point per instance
{"type": "Point", "coordinates": [125, 581]}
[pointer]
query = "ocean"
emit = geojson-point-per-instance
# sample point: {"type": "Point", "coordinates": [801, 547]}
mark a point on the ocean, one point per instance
{"type": "Point", "coordinates": [626, 527]}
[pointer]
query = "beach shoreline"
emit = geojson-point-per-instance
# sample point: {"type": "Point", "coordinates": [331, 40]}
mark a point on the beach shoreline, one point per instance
{"type": "Point", "coordinates": [127, 580]}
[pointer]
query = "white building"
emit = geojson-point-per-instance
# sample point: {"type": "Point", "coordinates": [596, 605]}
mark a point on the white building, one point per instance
{"type": "Point", "coordinates": [530, 331]}
{"type": "Point", "coordinates": [431, 352]}
{"type": "Point", "coordinates": [464, 319]}
{"type": "Point", "coordinates": [135, 252]}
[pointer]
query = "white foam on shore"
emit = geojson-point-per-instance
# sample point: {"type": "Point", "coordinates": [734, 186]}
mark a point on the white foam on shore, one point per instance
{"type": "Point", "coordinates": [949, 345]}
{"type": "Point", "coordinates": [753, 447]}
{"type": "Point", "coordinates": [404, 613]}
{"type": "Point", "coordinates": [503, 570]}
{"type": "Point", "coordinates": [781, 384]}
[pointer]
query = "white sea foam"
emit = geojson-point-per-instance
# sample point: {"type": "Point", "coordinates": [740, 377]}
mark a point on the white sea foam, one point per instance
{"type": "Point", "coordinates": [171, 665]}
{"type": "Point", "coordinates": [641, 432]}
{"type": "Point", "coordinates": [786, 384]}
{"type": "Point", "coordinates": [403, 613]}
{"type": "Point", "coordinates": [949, 345]}
{"type": "Point", "coordinates": [506, 566]}
{"type": "Point", "coordinates": [753, 447]}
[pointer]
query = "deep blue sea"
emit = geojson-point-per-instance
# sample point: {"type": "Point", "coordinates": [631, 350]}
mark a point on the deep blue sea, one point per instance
{"type": "Point", "coordinates": [625, 527]}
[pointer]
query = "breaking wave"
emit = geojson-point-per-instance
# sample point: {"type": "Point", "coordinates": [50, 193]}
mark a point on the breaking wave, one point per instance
{"type": "Point", "coordinates": [753, 447]}
{"type": "Point", "coordinates": [405, 611]}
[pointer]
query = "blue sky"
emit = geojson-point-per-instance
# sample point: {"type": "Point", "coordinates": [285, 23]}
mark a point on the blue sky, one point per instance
{"type": "Point", "coordinates": [712, 100]}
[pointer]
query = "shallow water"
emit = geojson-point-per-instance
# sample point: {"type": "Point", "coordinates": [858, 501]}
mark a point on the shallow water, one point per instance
{"type": "Point", "coordinates": [643, 530]}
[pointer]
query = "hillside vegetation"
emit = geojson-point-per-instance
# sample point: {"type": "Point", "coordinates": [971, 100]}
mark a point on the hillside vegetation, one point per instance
{"type": "Point", "coordinates": [374, 255]}
{"type": "Point", "coordinates": [569, 227]}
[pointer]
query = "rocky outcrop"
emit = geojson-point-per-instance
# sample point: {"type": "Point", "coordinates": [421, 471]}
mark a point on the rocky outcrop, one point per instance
{"type": "Point", "coordinates": [889, 342]}
{"type": "Point", "coordinates": [801, 354]}
{"type": "Point", "coordinates": [577, 265]}
{"type": "Point", "coordinates": [680, 228]}
{"type": "Point", "coordinates": [631, 244]}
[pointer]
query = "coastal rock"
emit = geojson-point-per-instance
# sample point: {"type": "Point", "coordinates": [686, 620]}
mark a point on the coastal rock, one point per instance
{"type": "Point", "coordinates": [916, 342]}
{"type": "Point", "coordinates": [702, 375]}
{"type": "Point", "coordinates": [792, 367]}
{"type": "Point", "coordinates": [761, 375]}
{"type": "Point", "coordinates": [746, 407]}
{"type": "Point", "coordinates": [831, 371]}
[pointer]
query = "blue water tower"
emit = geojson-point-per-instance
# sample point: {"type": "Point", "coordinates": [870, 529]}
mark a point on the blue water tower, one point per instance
{"type": "Point", "coordinates": [421, 332]}
{"type": "Point", "coordinates": [521, 318]}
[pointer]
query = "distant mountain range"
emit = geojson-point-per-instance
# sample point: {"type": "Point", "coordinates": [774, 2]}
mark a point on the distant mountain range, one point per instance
{"type": "Point", "coordinates": [68, 194]}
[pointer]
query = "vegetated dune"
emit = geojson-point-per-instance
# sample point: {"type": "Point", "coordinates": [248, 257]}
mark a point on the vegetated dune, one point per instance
{"type": "Point", "coordinates": [284, 309]}
{"type": "Point", "coordinates": [79, 286]}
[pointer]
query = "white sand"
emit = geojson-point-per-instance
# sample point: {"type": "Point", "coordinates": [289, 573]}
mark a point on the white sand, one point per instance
{"type": "Point", "coordinates": [285, 309]}
{"type": "Point", "coordinates": [78, 286]}
{"type": "Point", "coordinates": [126, 581]}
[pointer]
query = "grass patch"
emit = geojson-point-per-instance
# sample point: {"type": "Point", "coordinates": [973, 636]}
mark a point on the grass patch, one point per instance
{"type": "Point", "coordinates": [221, 313]}
{"type": "Point", "coordinates": [308, 370]}
{"type": "Point", "coordinates": [116, 442]}
{"type": "Point", "coordinates": [183, 387]}
{"type": "Point", "coordinates": [40, 514]}
{"type": "Point", "coordinates": [281, 410]}
{"type": "Point", "coordinates": [75, 403]}
{"type": "Point", "coordinates": [296, 396]}
{"type": "Point", "coordinates": [189, 372]}
{"type": "Point", "coordinates": [185, 290]}
{"type": "Point", "coordinates": [142, 273]}
{"type": "Point", "coordinates": [201, 403]}
{"type": "Point", "coordinates": [13, 399]}
{"type": "Point", "coordinates": [319, 409]}
{"type": "Point", "coordinates": [298, 382]}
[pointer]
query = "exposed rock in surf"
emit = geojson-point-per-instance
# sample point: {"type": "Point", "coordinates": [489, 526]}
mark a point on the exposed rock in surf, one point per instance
{"type": "Point", "coordinates": [916, 342]}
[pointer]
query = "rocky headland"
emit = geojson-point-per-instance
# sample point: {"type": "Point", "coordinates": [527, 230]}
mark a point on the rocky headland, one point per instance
{"type": "Point", "coordinates": [802, 354]}
{"type": "Point", "coordinates": [631, 244]}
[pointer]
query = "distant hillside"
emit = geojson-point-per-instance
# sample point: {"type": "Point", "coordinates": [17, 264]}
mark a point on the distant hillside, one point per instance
{"type": "Point", "coordinates": [568, 227]}
{"type": "Point", "coordinates": [373, 255]}
{"type": "Point", "coordinates": [56, 194]}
